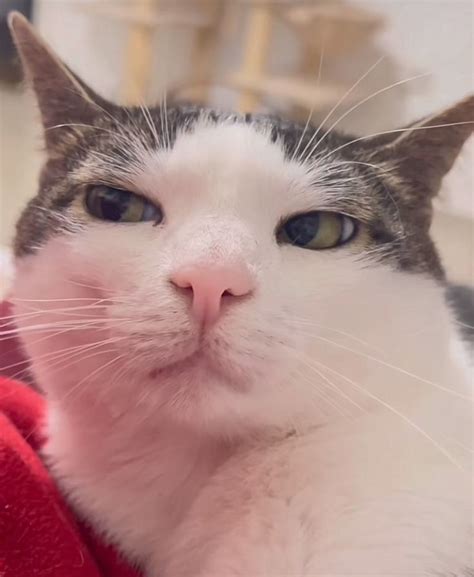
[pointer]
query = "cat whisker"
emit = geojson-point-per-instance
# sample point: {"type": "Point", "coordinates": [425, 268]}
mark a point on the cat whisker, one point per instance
{"type": "Point", "coordinates": [116, 121]}
{"type": "Point", "coordinates": [386, 190]}
{"type": "Point", "coordinates": [307, 322]}
{"type": "Point", "coordinates": [129, 364]}
{"type": "Point", "coordinates": [7, 334]}
{"type": "Point", "coordinates": [164, 99]}
{"type": "Point", "coordinates": [35, 311]}
{"type": "Point", "coordinates": [89, 286]}
{"type": "Point", "coordinates": [376, 167]}
{"type": "Point", "coordinates": [78, 325]}
{"type": "Point", "coordinates": [65, 314]}
{"type": "Point", "coordinates": [167, 132]}
{"type": "Point", "coordinates": [338, 103]}
{"type": "Point", "coordinates": [149, 120]}
{"type": "Point", "coordinates": [86, 313]}
{"type": "Point", "coordinates": [59, 355]}
{"type": "Point", "coordinates": [328, 384]}
{"type": "Point", "coordinates": [311, 112]}
{"type": "Point", "coordinates": [62, 355]}
{"type": "Point", "coordinates": [361, 103]}
{"type": "Point", "coordinates": [70, 223]}
{"type": "Point", "coordinates": [22, 375]}
{"type": "Point", "coordinates": [136, 130]}
{"type": "Point", "coordinates": [68, 299]}
{"type": "Point", "coordinates": [89, 126]}
{"type": "Point", "coordinates": [32, 327]}
{"type": "Point", "coordinates": [465, 325]}
{"type": "Point", "coordinates": [162, 123]}
{"type": "Point", "coordinates": [460, 445]}
{"type": "Point", "coordinates": [88, 377]}
{"type": "Point", "coordinates": [393, 410]}
{"type": "Point", "coordinates": [394, 367]}
{"type": "Point", "coordinates": [395, 131]}
{"type": "Point", "coordinates": [321, 394]}
{"type": "Point", "coordinates": [27, 361]}
{"type": "Point", "coordinates": [379, 251]}
{"type": "Point", "coordinates": [133, 148]}
{"type": "Point", "coordinates": [42, 339]}
{"type": "Point", "coordinates": [78, 356]}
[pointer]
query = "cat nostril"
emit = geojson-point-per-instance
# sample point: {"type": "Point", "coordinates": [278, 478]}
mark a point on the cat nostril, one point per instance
{"type": "Point", "coordinates": [181, 282]}
{"type": "Point", "coordinates": [210, 287]}
{"type": "Point", "coordinates": [188, 289]}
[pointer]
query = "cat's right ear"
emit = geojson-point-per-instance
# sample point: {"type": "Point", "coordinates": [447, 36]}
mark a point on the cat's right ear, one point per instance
{"type": "Point", "coordinates": [63, 98]}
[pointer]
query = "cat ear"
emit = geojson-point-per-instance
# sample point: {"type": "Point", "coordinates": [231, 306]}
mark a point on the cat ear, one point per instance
{"type": "Point", "coordinates": [425, 151]}
{"type": "Point", "coordinates": [62, 97]}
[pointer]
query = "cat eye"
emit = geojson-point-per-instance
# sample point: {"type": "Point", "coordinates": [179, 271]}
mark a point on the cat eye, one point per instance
{"type": "Point", "coordinates": [114, 204]}
{"type": "Point", "coordinates": [317, 230]}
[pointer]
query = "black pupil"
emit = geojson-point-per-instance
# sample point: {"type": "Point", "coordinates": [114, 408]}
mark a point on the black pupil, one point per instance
{"type": "Point", "coordinates": [113, 203]}
{"type": "Point", "coordinates": [302, 229]}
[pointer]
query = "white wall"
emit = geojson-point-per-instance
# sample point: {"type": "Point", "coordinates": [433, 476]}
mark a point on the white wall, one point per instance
{"type": "Point", "coordinates": [434, 37]}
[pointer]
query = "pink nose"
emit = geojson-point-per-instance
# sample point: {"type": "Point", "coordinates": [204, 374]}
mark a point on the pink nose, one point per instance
{"type": "Point", "coordinates": [209, 285]}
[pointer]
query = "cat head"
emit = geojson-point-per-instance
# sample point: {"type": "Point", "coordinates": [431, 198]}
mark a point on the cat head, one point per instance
{"type": "Point", "coordinates": [188, 264]}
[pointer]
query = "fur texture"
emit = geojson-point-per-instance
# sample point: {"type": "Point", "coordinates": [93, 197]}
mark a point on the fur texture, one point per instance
{"type": "Point", "coordinates": [323, 425]}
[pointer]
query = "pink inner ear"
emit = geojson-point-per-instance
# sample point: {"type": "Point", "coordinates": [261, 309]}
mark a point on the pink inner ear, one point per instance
{"type": "Point", "coordinates": [13, 361]}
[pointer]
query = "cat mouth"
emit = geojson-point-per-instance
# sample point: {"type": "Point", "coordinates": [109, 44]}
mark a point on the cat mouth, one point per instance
{"type": "Point", "coordinates": [197, 361]}
{"type": "Point", "coordinates": [197, 366]}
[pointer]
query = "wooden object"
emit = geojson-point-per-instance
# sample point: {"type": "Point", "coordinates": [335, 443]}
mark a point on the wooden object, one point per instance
{"type": "Point", "coordinates": [256, 45]}
{"type": "Point", "coordinates": [335, 27]}
{"type": "Point", "coordinates": [205, 52]}
{"type": "Point", "coordinates": [143, 18]}
{"type": "Point", "coordinates": [296, 90]}
{"type": "Point", "coordinates": [139, 57]}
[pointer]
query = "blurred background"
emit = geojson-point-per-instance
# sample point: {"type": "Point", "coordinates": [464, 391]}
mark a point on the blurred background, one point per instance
{"type": "Point", "coordinates": [384, 63]}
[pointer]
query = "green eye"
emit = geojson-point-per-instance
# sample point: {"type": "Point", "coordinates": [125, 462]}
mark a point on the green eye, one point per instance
{"type": "Point", "coordinates": [317, 230]}
{"type": "Point", "coordinates": [118, 205]}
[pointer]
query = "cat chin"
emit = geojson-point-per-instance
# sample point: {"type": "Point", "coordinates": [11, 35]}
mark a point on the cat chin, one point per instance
{"type": "Point", "coordinates": [198, 369]}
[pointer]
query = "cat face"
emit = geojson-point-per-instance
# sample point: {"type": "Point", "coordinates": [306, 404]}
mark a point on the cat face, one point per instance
{"type": "Point", "coordinates": [193, 265]}
{"type": "Point", "coordinates": [224, 192]}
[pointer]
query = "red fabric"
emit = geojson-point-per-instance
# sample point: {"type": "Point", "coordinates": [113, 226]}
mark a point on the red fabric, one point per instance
{"type": "Point", "coordinates": [39, 536]}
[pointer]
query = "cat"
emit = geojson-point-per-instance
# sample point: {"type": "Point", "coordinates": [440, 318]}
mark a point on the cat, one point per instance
{"type": "Point", "coordinates": [241, 330]}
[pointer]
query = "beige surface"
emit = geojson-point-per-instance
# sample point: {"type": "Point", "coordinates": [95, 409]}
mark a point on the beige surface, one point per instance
{"type": "Point", "coordinates": [6, 271]}
{"type": "Point", "coordinates": [20, 156]}
{"type": "Point", "coordinates": [454, 237]}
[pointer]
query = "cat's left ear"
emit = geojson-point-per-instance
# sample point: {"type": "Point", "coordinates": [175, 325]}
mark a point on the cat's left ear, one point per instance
{"type": "Point", "coordinates": [425, 152]}
{"type": "Point", "coordinates": [63, 98]}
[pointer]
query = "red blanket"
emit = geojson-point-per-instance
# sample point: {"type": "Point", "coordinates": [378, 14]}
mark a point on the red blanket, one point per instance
{"type": "Point", "coordinates": [39, 536]}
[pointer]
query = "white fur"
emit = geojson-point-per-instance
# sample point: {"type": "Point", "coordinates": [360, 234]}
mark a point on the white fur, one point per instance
{"type": "Point", "coordinates": [247, 461]}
